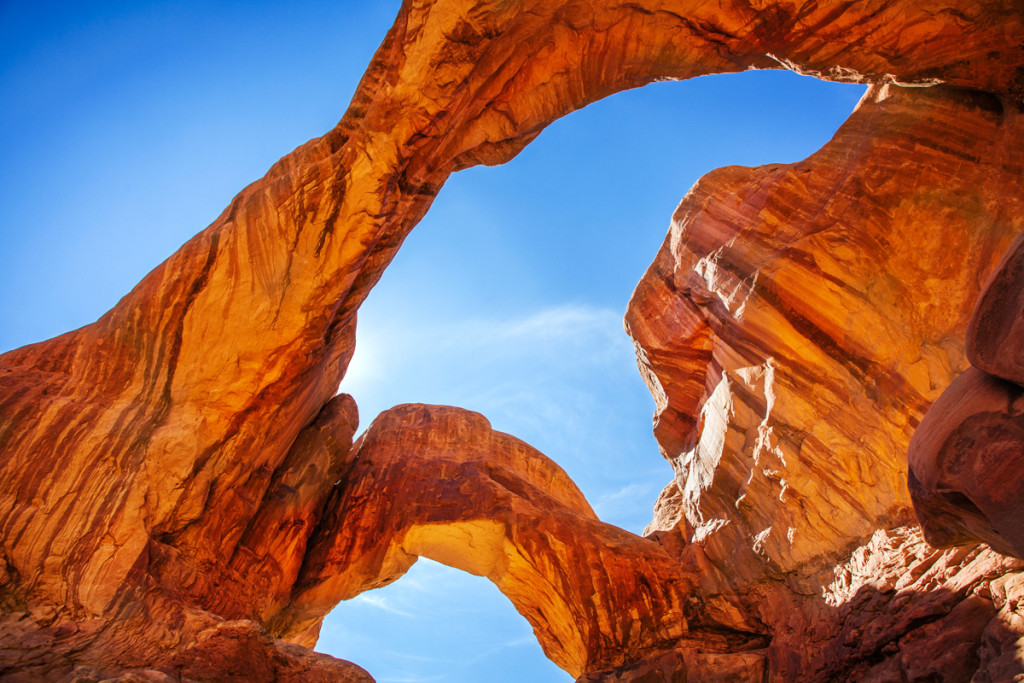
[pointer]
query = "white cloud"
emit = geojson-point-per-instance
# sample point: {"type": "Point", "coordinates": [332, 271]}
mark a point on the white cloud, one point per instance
{"type": "Point", "coordinates": [500, 360]}
{"type": "Point", "coordinates": [636, 498]}
{"type": "Point", "coordinates": [513, 643]}
{"type": "Point", "coordinates": [567, 322]}
{"type": "Point", "coordinates": [381, 602]}
{"type": "Point", "coordinates": [382, 344]}
{"type": "Point", "coordinates": [627, 492]}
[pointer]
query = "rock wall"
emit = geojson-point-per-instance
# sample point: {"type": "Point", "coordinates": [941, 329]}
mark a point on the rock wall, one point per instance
{"type": "Point", "coordinates": [167, 474]}
{"type": "Point", "coordinates": [794, 328]}
{"type": "Point", "coordinates": [967, 455]}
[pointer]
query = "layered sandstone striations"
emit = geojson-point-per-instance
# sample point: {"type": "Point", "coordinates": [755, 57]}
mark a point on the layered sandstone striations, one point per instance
{"type": "Point", "coordinates": [799, 313]}
{"type": "Point", "coordinates": [167, 473]}
{"type": "Point", "coordinates": [794, 328]}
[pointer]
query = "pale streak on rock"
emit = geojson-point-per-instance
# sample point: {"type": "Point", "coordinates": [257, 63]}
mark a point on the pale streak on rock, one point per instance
{"type": "Point", "coordinates": [865, 260]}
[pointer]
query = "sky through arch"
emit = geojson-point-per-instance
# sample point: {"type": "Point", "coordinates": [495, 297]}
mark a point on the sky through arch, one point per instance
{"type": "Point", "coordinates": [508, 299]}
{"type": "Point", "coordinates": [129, 126]}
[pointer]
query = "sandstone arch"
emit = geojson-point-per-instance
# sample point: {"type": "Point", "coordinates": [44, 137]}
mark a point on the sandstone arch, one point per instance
{"type": "Point", "coordinates": [165, 468]}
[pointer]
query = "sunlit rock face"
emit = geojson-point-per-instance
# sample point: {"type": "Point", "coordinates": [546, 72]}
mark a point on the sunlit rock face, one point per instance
{"type": "Point", "coordinates": [179, 494]}
{"type": "Point", "coordinates": [794, 328]}
{"type": "Point", "coordinates": [828, 300]}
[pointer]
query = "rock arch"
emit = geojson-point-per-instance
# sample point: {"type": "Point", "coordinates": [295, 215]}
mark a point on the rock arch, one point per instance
{"type": "Point", "coordinates": [167, 469]}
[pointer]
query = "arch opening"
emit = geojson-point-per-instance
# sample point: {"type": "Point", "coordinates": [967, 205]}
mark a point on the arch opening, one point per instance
{"type": "Point", "coordinates": [508, 297]}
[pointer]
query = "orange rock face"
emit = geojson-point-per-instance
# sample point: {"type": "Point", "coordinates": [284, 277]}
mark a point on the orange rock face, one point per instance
{"type": "Point", "coordinates": [827, 319]}
{"type": "Point", "coordinates": [167, 474]}
{"type": "Point", "coordinates": [794, 329]}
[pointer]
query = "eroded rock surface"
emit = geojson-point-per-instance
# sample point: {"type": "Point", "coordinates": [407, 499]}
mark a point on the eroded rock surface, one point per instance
{"type": "Point", "coordinates": [995, 337]}
{"type": "Point", "coordinates": [796, 313]}
{"type": "Point", "coordinates": [167, 473]}
{"type": "Point", "coordinates": [967, 460]}
{"type": "Point", "coordinates": [898, 609]}
{"type": "Point", "coordinates": [967, 457]}
{"type": "Point", "coordinates": [829, 300]}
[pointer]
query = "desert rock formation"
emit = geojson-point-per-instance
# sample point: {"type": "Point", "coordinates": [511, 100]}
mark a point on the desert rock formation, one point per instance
{"type": "Point", "coordinates": [789, 318]}
{"type": "Point", "coordinates": [967, 455]}
{"type": "Point", "coordinates": [180, 495]}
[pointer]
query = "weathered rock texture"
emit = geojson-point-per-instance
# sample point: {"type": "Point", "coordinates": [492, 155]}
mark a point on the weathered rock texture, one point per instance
{"type": "Point", "coordinates": [167, 474]}
{"type": "Point", "coordinates": [967, 457]}
{"type": "Point", "coordinates": [794, 328]}
{"type": "Point", "coordinates": [995, 336]}
{"type": "Point", "coordinates": [438, 482]}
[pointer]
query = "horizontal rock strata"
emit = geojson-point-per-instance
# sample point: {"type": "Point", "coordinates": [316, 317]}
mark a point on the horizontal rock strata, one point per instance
{"type": "Point", "coordinates": [167, 473]}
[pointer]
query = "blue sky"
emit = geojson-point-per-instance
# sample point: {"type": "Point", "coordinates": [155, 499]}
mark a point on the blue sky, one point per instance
{"type": "Point", "coordinates": [126, 128]}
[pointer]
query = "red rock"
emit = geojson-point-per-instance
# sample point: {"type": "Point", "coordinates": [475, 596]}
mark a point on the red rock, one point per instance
{"type": "Point", "coordinates": [826, 318]}
{"type": "Point", "coordinates": [995, 338]}
{"type": "Point", "coordinates": [166, 473]}
{"type": "Point", "coordinates": [896, 609]}
{"type": "Point", "coordinates": [967, 465]}
{"type": "Point", "coordinates": [437, 482]}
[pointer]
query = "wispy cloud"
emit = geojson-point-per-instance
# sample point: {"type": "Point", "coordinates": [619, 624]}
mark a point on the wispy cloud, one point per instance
{"type": "Point", "coordinates": [380, 602]}
{"type": "Point", "coordinates": [627, 499]}
{"type": "Point", "coordinates": [568, 322]}
{"type": "Point", "coordinates": [627, 492]}
{"type": "Point", "coordinates": [578, 333]}
{"type": "Point", "coordinates": [418, 658]}
{"type": "Point", "coordinates": [509, 644]}
{"type": "Point", "coordinates": [542, 360]}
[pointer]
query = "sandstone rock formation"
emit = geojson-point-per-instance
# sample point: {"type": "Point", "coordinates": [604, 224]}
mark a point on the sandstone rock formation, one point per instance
{"type": "Point", "coordinates": [167, 474]}
{"type": "Point", "coordinates": [995, 336]}
{"type": "Point", "coordinates": [438, 482]}
{"type": "Point", "coordinates": [967, 456]}
{"type": "Point", "coordinates": [792, 316]}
